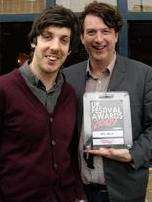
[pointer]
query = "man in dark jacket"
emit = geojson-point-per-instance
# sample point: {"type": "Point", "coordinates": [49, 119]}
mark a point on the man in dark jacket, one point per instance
{"type": "Point", "coordinates": [117, 175]}
{"type": "Point", "coordinates": [38, 161]}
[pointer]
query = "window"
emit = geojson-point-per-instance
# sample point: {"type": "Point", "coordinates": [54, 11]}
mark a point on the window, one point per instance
{"type": "Point", "coordinates": [140, 5]}
{"type": "Point", "coordinates": [14, 44]}
{"type": "Point", "coordinates": [139, 41]}
{"type": "Point", "coordinates": [21, 6]}
{"type": "Point", "coordinates": [78, 5]}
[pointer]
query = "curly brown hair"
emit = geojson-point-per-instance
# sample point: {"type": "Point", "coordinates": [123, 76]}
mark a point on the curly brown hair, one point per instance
{"type": "Point", "coordinates": [109, 14]}
{"type": "Point", "coordinates": [56, 16]}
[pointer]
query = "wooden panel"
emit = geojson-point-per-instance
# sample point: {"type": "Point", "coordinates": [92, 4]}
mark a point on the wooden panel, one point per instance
{"type": "Point", "coordinates": [149, 187]}
{"type": "Point", "coordinates": [78, 5]}
{"type": "Point", "coordinates": [21, 6]}
{"type": "Point", "coordinates": [140, 5]}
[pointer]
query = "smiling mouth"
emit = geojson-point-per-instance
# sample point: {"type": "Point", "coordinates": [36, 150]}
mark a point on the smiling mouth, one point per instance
{"type": "Point", "coordinates": [98, 48]}
{"type": "Point", "coordinates": [52, 58]}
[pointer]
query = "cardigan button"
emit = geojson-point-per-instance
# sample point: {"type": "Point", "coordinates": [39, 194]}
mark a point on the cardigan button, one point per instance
{"type": "Point", "coordinates": [53, 142]}
{"type": "Point", "coordinates": [51, 119]}
{"type": "Point", "coordinates": [55, 166]}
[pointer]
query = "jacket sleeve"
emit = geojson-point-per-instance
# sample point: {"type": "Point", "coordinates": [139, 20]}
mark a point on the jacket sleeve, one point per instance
{"type": "Point", "coordinates": [142, 148]}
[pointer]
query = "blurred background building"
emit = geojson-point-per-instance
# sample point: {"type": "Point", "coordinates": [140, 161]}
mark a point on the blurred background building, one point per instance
{"type": "Point", "coordinates": [16, 17]}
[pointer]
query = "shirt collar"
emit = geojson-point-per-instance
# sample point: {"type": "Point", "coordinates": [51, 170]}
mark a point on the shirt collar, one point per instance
{"type": "Point", "coordinates": [109, 68]}
{"type": "Point", "coordinates": [28, 75]}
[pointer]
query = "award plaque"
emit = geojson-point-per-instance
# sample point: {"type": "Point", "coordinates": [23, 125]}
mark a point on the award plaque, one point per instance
{"type": "Point", "coordinates": [107, 119]}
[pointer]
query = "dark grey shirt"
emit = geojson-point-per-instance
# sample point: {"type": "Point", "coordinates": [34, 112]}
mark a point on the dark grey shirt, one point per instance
{"type": "Point", "coordinates": [48, 98]}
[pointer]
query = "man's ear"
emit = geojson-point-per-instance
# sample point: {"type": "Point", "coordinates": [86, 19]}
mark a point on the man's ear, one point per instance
{"type": "Point", "coordinates": [82, 38]}
{"type": "Point", "coordinates": [32, 45]}
{"type": "Point", "coordinates": [116, 37]}
{"type": "Point", "coordinates": [69, 52]}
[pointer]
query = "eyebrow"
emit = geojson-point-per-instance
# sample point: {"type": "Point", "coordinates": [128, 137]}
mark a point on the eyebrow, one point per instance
{"type": "Point", "coordinates": [48, 32]}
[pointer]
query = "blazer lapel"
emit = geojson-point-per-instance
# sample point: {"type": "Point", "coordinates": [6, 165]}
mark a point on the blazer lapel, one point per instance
{"type": "Point", "coordinates": [117, 77]}
{"type": "Point", "coordinates": [82, 85]}
{"type": "Point", "coordinates": [115, 84]}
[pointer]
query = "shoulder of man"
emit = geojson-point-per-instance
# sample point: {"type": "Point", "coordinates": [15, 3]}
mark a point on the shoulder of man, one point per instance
{"type": "Point", "coordinates": [133, 67]}
{"type": "Point", "coordinates": [76, 68]}
{"type": "Point", "coordinates": [75, 75]}
{"type": "Point", "coordinates": [133, 63]}
{"type": "Point", "coordinates": [8, 78]}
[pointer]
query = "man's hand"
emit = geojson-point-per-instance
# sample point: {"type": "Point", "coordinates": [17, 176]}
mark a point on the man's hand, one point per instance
{"type": "Point", "coordinates": [122, 155]}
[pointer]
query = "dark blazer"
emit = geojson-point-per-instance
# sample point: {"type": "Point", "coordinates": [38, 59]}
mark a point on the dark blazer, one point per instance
{"type": "Point", "coordinates": [125, 181]}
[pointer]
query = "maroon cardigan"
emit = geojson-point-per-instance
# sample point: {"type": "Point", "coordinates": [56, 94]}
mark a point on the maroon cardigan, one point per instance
{"type": "Point", "coordinates": [37, 149]}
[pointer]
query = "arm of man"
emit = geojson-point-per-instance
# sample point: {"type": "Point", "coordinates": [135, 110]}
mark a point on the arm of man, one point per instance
{"type": "Point", "coordinates": [141, 151]}
{"type": "Point", "coordinates": [122, 155]}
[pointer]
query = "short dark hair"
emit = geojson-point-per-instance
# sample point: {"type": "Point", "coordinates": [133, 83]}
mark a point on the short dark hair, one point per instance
{"type": "Point", "coordinates": [56, 16]}
{"type": "Point", "coordinates": [109, 14]}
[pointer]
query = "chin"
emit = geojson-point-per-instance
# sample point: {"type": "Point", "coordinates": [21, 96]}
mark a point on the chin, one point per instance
{"type": "Point", "coordinates": [98, 58]}
{"type": "Point", "coordinates": [52, 70]}
{"type": "Point", "coordinates": [49, 70]}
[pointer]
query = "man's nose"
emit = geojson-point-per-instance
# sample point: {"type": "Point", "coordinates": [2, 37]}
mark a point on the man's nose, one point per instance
{"type": "Point", "coordinates": [99, 37]}
{"type": "Point", "coordinates": [55, 44]}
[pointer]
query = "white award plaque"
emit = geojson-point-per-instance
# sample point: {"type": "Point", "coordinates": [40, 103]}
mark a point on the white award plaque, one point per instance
{"type": "Point", "coordinates": [107, 119]}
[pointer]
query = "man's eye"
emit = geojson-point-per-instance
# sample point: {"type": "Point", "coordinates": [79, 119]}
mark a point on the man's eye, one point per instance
{"type": "Point", "coordinates": [46, 36]}
{"type": "Point", "coordinates": [106, 31]}
{"type": "Point", "coordinates": [65, 40]}
{"type": "Point", "coordinates": [91, 32]}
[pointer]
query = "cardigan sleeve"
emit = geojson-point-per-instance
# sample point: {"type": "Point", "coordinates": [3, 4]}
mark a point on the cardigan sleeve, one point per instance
{"type": "Point", "coordinates": [2, 108]}
{"type": "Point", "coordinates": [75, 164]}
